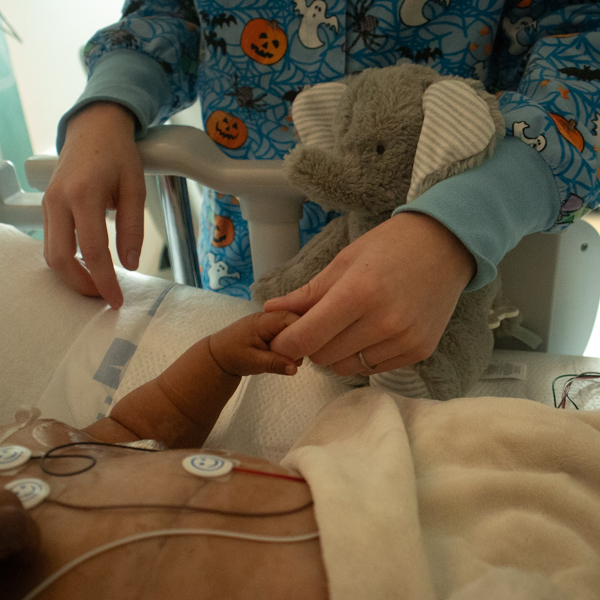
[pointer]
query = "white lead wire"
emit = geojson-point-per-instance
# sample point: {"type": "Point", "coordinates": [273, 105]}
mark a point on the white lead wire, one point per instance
{"type": "Point", "coordinates": [165, 533]}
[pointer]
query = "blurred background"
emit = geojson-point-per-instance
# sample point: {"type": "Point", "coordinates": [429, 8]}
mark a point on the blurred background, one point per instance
{"type": "Point", "coordinates": [41, 77]}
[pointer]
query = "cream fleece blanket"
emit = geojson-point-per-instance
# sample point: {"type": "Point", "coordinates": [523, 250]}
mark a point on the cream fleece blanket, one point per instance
{"type": "Point", "coordinates": [471, 499]}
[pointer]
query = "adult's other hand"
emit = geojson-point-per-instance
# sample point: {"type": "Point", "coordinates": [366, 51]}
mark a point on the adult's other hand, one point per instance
{"type": "Point", "coordinates": [99, 169]}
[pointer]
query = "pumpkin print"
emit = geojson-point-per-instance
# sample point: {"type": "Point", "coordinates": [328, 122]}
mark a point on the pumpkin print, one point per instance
{"type": "Point", "coordinates": [568, 129]}
{"type": "Point", "coordinates": [264, 41]}
{"type": "Point", "coordinates": [223, 231]}
{"type": "Point", "coordinates": [226, 129]}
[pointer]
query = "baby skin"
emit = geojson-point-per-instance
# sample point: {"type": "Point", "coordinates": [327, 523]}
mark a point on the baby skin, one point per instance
{"type": "Point", "coordinates": [181, 406]}
{"type": "Point", "coordinates": [179, 409]}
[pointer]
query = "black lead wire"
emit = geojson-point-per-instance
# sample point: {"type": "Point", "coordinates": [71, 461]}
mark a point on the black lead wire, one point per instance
{"type": "Point", "coordinates": [49, 456]}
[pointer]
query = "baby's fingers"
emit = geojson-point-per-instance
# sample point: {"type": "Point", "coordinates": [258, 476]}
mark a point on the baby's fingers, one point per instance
{"type": "Point", "coordinates": [268, 325]}
{"type": "Point", "coordinates": [266, 361]}
{"type": "Point", "coordinates": [243, 347]}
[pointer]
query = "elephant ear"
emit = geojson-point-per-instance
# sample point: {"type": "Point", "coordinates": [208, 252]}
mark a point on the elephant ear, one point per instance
{"type": "Point", "coordinates": [313, 112]}
{"type": "Point", "coordinates": [461, 125]}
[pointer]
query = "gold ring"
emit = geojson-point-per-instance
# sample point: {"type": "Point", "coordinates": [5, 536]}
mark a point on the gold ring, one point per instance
{"type": "Point", "coordinates": [364, 363]}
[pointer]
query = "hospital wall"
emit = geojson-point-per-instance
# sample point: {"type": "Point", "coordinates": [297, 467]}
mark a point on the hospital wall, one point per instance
{"type": "Point", "coordinates": [47, 64]}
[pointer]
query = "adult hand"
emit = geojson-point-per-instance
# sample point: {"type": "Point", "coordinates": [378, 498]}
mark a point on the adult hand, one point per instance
{"type": "Point", "coordinates": [389, 295]}
{"type": "Point", "coordinates": [243, 348]}
{"type": "Point", "coordinates": [99, 168]}
{"type": "Point", "coordinates": [18, 531]}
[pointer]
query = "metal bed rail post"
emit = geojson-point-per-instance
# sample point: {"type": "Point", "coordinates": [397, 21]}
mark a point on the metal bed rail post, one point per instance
{"type": "Point", "coordinates": [173, 153]}
{"type": "Point", "coordinates": [181, 239]}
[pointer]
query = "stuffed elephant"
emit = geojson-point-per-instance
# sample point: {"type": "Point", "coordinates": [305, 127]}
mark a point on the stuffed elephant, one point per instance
{"type": "Point", "coordinates": [391, 134]}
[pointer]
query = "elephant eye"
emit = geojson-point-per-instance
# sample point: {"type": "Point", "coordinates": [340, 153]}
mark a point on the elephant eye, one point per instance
{"type": "Point", "coordinates": [380, 149]}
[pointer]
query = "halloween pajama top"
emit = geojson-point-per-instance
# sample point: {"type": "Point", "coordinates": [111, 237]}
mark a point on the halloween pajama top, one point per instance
{"type": "Point", "coordinates": [247, 60]}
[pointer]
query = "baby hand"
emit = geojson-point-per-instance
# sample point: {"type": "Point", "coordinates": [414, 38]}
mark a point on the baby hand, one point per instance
{"type": "Point", "coordinates": [242, 348]}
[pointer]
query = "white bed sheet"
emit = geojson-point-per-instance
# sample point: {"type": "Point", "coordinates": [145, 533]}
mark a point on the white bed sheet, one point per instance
{"type": "Point", "coordinates": [75, 357]}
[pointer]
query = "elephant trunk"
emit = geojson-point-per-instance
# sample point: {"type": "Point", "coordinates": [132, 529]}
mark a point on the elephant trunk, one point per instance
{"type": "Point", "coordinates": [336, 182]}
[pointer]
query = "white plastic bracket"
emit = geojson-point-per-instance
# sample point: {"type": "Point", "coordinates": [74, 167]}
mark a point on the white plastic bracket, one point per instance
{"type": "Point", "coordinates": [270, 204]}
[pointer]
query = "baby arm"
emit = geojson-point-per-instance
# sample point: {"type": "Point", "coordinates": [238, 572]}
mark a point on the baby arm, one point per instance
{"type": "Point", "coordinates": [181, 406]}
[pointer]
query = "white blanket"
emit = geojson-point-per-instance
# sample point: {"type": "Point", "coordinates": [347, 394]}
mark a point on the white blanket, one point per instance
{"type": "Point", "coordinates": [74, 357]}
{"type": "Point", "coordinates": [471, 499]}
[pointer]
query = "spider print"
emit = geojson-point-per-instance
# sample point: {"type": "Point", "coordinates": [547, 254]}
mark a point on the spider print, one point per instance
{"type": "Point", "coordinates": [364, 25]}
{"type": "Point", "coordinates": [245, 97]}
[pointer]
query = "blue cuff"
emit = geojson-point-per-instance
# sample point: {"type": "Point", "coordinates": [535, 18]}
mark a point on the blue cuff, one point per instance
{"type": "Point", "coordinates": [490, 208]}
{"type": "Point", "coordinates": [128, 78]}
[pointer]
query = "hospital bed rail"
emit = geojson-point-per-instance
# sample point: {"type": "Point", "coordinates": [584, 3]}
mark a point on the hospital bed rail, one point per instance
{"type": "Point", "coordinates": [18, 208]}
{"type": "Point", "coordinates": [549, 277]}
{"type": "Point", "coordinates": [173, 153]}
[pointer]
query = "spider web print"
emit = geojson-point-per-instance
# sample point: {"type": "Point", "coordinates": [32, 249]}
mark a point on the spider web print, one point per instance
{"type": "Point", "coordinates": [263, 93]}
{"type": "Point", "coordinates": [260, 95]}
{"type": "Point", "coordinates": [456, 36]}
{"type": "Point", "coordinates": [171, 37]}
{"type": "Point", "coordinates": [557, 101]}
{"type": "Point", "coordinates": [550, 84]}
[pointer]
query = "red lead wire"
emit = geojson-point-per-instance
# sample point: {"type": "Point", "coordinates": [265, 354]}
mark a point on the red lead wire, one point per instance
{"type": "Point", "coordinates": [276, 475]}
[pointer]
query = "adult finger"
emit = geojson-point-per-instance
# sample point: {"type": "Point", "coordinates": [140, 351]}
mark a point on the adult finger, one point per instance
{"type": "Point", "coordinates": [397, 362]}
{"type": "Point", "coordinates": [304, 298]}
{"type": "Point", "coordinates": [268, 325]}
{"type": "Point", "coordinates": [93, 243]}
{"type": "Point", "coordinates": [130, 219]}
{"type": "Point", "coordinates": [392, 329]}
{"type": "Point", "coordinates": [371, 328]}
{"type": "Point", "coordinates": [60, 247]}
{"type": "Point", "coordinates": [320, 324]}
{"type": "Point", "coordinates": [400, 350]}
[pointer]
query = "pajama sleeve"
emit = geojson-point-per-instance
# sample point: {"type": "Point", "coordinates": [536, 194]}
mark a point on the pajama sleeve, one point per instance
{"type": "Point", "coordinates": [556, 107]}
{"type": "Point", "coordinates": [148, 62]}
{"type": "Point", "coordinates": [545, 173]}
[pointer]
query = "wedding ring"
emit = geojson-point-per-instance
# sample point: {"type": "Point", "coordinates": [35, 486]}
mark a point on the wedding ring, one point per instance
{"type": "Point", "coordinates": [364, 363]}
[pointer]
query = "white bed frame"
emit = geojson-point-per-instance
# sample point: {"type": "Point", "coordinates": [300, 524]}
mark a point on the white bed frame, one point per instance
{"type": "Point", "coordinates": [551, 278]}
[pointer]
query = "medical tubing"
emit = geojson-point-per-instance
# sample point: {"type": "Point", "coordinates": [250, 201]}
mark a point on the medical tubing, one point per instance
{"type": "Point", "coordinates": [183, 507]}
{"type": "Point", "coordinates": [165, 533]}
{"type": "Point", "coordinates": [567, 387]}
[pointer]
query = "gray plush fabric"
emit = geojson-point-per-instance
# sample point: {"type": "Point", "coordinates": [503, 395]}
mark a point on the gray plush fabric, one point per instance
{"type": "Point", "coordinates": [366, 176]}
